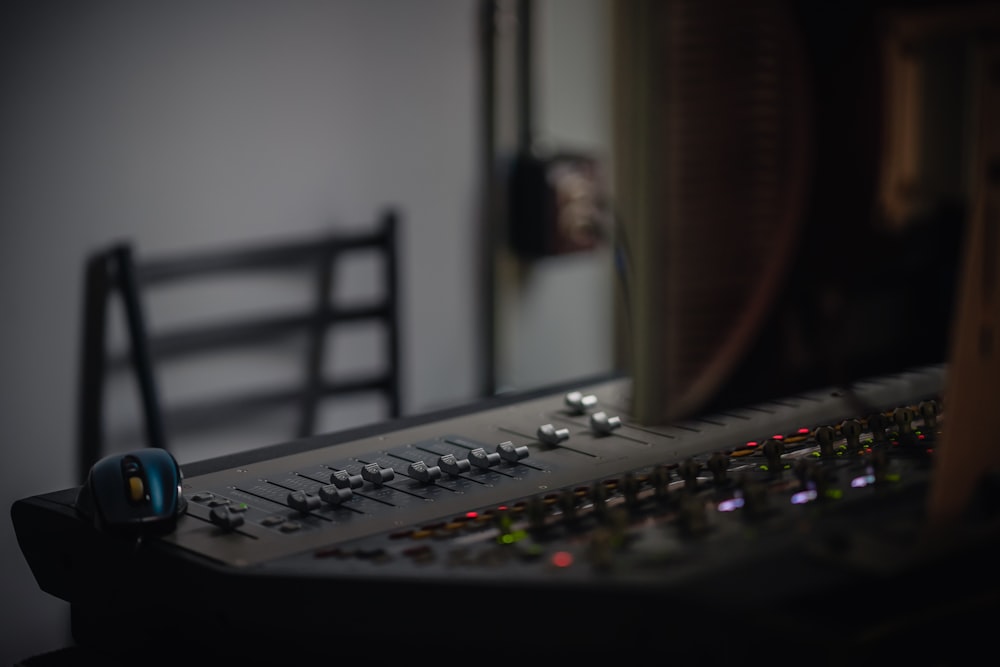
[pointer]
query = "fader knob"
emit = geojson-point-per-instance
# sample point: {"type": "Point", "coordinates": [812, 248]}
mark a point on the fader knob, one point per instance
{"type": "Point", "coordinates": [877, 423]}
{"type": "Point", "coordinates": [825, 435]}
{"type": "Point", "coordinates": [568, 504]}
{"type": "Point", "coordinates": [331, 494]}
{"type": "Point", "coordinates": [773, 450]}
{"type": "Point", "coordinates": [689, 470]}
{"type": "Point", "coordinates": [422, 472]}
{"type": "Point", "coordinates": [223, 517]}
{"type": "Point", "coordinates": [631, 486]}
{"type": "Point", "coordinates": [578, 402]}
{"type": "Point", "coordinates": [602, 424]}
{"type": "Point", "coordinates": [453, 466]}
{"type": "Point", "coordinates": [903, 417]}
{"type": "Point", "coordinates": [718, 463]}
{"type": "Point", "coordinates": [551, 435]}
{"type": "Point", "coordinates": [480, 458]}
{"type": "Point", "coordinates": [303, 502]}
{"type": "Point", "coordinates": [851, 430]}
{"type": "Point", "coordinates": [508, 452]}
{"type": "Point", "coordinates": [376, 474]}
{"type": "Point", "coordinates": [599, 498]}
{"type": "Point", "coordinates": [661, 481]}
{"type": "Point", "coordinates": [929, 412]}
{"type": "Point", "coordinates": [344, 480]}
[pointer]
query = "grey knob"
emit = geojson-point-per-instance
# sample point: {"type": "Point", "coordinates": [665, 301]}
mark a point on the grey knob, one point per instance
{"type": "Point", "coordinates": [601, 423]}
{"type": "Point", "coordinates": [508, 452]}
{"type": "Point", "coordinates": [422, 472]}
{"type": "Point", "coordinates": [376, 474]}
{"type": "Point", "coordinates": [481, 459]}
{"type": "Point", "coordinates": [452, 465]}
{"type": "Point", "coordinates": [578, 402]}
{"type": "Point", "coordinates": [549, 434]}
{"type": "Point", "coordinates": [344, 480]}
{"type": "Point", "coordinates": [332, 494]}
{"type": "Point", "coordinates": [224, 518]}
{"type": "Point", "coordinates": [303, 502]}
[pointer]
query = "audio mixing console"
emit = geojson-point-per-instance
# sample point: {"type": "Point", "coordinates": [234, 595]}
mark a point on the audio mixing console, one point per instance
{"type": "Point", "coordinates": [548, 522]}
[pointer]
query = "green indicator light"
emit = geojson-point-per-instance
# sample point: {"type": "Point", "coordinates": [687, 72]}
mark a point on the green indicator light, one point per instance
{"type": "Point", "coordinates": [893, 477]}
{"type": "Point", "coordinates": [835, 494]}
{"type": "Point", "coordinates": [511, 538]}
{"type": "Point", "coordinates": [764, 467]}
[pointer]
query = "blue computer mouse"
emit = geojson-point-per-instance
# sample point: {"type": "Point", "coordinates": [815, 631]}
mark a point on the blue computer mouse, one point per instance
{"type": "Point", "coordinates": [136, 491]}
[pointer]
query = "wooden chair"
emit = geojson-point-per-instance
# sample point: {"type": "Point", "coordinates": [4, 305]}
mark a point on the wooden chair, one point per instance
{"type": "Point", "coordinates": [291, 316]}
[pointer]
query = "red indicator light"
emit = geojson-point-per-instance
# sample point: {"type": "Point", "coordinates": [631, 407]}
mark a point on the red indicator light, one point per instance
{"type": "Point", "coordinates": [803, 431]}
{"type": "Point", "coordinates": [502, 508]}
{"type": "Point", "coordinates": [751, 443]}
{"type": "Point", "coordinates": [471, 515]}
{"type": "Point", "coordinates": [562, 559]}
{"type": "Point", "coordinates": [778, 436]}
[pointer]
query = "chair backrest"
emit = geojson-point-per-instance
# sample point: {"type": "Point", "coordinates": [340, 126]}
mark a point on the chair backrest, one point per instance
{"type": "Point", "coordinates": [179, 374]}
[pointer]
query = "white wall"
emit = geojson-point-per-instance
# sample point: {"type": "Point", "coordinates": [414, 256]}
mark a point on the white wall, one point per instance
{"type": "Point", "coordinates": [555, 314]}
{"type": "Point", "coordinates": [185, 123]}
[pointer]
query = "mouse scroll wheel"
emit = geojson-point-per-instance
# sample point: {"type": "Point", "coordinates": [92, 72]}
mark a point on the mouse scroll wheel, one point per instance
{"type": "Point", "coordinates": [136, 489]}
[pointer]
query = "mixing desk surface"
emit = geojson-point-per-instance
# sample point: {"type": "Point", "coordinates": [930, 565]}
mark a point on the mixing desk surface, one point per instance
{"type": "Point", "coordinates": [549, 521]}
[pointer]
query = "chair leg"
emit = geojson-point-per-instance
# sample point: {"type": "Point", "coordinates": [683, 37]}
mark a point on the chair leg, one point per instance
{"type": "Point", "coordinates": [90, 394]}
{"type": "Point", "coordinates": [139, 340]}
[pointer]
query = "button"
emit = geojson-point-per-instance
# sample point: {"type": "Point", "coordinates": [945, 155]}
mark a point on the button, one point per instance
{"type": "Point", "coordinates": [136, 489]}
